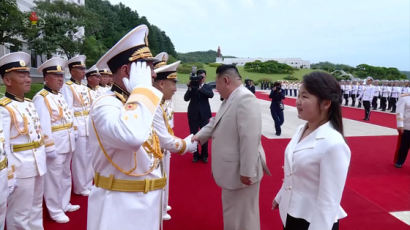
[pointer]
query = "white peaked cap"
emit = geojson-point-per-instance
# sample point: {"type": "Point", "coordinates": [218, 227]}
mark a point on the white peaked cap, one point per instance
{"type": "Point", "coordinates": [132, 47]}
{"type": "Point", "coordinates": [53, 65]}
{"type": "Point", "coordinates": [92, 71]}
{"type": "Point", "coordinates": [167, 71]}
{"type": "Point", "coordinates": [17, 61]}
{"type": "Point", "coordinates": [77, 61]}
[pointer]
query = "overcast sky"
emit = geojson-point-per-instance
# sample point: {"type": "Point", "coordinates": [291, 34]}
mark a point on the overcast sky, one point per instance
{"type": "Point", "coordinates": [375, 32]}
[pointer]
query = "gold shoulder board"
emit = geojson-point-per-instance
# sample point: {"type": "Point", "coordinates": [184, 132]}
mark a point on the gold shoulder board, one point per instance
{"type": "Point", "coordinates": [69, 82]}
{"type": "Point", "coordinates": [4, 101]}
{"type": "Point", "coordinates": [43, 92]}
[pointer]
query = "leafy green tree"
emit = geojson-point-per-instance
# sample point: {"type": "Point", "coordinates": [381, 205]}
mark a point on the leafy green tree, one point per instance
{"type": "Point", "coordinates": [11, 19]}
{"type": "Point", "coordinates": [58, 29]}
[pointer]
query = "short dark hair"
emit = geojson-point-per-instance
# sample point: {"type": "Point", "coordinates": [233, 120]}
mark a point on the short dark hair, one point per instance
{"type": "Point", "coordinates": [200, 71]}
{"type": "Point", "coordinates": [225, 68]}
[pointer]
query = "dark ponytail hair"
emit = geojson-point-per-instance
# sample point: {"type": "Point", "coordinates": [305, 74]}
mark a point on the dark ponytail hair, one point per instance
{"type": "Point", "coordinates": [326, 87]}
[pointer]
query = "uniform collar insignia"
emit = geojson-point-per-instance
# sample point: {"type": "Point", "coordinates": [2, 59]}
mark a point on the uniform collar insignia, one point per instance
{"type": "Point", "coordinates": [50, 90]}
{"type": "Point", "coordinates": [120, 93]}
{"type": "Point", "coordinates": [75, 81]}
{"type": "Point", "coordinates": [13, 97]}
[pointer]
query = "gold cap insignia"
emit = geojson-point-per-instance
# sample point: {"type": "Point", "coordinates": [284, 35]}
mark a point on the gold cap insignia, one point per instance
{"type": "Point", "coordinates": [22, 63]}
{"type": "Point", "coordinates": [59, 68]}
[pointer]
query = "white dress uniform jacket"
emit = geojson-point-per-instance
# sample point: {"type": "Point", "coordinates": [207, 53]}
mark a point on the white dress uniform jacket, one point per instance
{"type": "Point", "coordinates": [25, 152]}
{"type": "Point", "coordinates": [56, 120]}
{"type": "Point", "coordinates": [315, 172]}
{"type": "Point", "coordinates": [367, 93]}
{"type": "Point", "coordinates": [403, 112]}
{"type": "Point", "coordinates": [3, 179]}
{"type": "Point", "coordinates": [119, 133]}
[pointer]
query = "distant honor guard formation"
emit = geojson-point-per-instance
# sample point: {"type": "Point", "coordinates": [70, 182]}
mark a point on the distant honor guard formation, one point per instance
{"type": "Point", "coordinates": [111, 139]}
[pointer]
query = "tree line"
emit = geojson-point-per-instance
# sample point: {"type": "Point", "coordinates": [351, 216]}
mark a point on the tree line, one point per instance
{"type": "Point", "coordinates": [270, 67]}
{"type": "Point", "coordinates": [68, 29]}
{"type": "Point", "coordinates": [363, 70]}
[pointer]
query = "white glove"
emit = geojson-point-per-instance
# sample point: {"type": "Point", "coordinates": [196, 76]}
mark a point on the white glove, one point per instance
{"type": "Point", "coordinates": [11, 183]}
{"type": "Point", "coordinates": [140, 76]}
{"type": "Point", "coordinates": [190, 146]}
{"type": "Point", "coordinates": [51, 155]}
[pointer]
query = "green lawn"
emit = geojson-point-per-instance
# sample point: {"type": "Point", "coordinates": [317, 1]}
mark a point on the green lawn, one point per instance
{"type": "Point", "coordinates": [210, 72]}
{"type": "Point", "coordinates": [34, 89]}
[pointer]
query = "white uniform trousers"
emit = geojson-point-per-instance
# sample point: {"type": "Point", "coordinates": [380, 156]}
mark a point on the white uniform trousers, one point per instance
{"type": "Point", "coordinates": [108, 210]}
{"type": "Point", "coordinates": [53, 184]}
{"type": "Point", "coordinates": [3, 197]}
{"type": "Point", "coordinates": [241, 208]}
{"type": "Point", "coordinates": [81, 165]}
{"type": "Point", "coordinates": [25, 205]}
{"type": "Point", "coordinates": [167, 164]}
{"type": "Point", "coordinates": [66, 181]}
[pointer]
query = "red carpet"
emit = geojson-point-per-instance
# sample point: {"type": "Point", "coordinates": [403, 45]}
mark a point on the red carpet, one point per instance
{"type": "Point", "coordinates": [374, 188]}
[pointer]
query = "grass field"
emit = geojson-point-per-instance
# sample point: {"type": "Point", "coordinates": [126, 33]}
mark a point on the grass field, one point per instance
{"type": "Point", "coordinates": [34, 89]}
{"type": "Point", "coordinates": [210, 73]}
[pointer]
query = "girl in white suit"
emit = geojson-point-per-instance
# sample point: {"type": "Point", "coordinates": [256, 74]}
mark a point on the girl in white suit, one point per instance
{"type": "Point", "coordinates": [316, 159]}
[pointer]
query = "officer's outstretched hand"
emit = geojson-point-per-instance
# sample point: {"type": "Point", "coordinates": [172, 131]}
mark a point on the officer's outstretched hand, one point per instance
{"type": "Point", "coordinates": [140, 76]}
{"type": "Point", "coordinates": [190, 146]}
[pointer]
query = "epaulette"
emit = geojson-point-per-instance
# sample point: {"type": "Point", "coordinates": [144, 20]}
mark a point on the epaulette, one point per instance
{"type": "Point", "coordinates": [4, 101]}
{"type": "Point", "coordinates": [43, 92]}
{"type": "Point", "coordinates": [27, 99]}
{"type": "Point", "coordinates": [405, 95]}
{"type": "Point", "coordinates": [69, 82]}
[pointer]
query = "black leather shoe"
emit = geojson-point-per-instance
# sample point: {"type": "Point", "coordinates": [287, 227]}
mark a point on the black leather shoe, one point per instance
{"type": "Point", "coordinates": [205, 159]}
{"type": "Point", "coordinates": [195, 159]}
{"type": "Point", "coordinates": [398, 165]}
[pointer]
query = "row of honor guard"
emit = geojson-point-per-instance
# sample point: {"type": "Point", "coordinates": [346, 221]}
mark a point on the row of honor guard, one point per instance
{"type": "Point", "coordinates": [124, 130]}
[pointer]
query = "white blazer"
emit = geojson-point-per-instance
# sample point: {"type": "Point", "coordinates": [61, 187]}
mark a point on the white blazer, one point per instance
{"type": "Point", "coordinates": [315, 173]}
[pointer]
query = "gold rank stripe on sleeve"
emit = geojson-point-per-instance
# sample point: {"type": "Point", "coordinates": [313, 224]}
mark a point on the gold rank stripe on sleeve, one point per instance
{"type": "Point", "coordinates": [183, 147]}
{"type": "Point", "coordinates": [146, 97]}
{"type": "Point", "coordinates": [4, 101]}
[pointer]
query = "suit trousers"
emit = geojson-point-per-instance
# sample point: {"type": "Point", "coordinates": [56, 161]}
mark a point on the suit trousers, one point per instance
{"type": "Point", "coordinates": [404, 147]}
{"type": "Point", "coordinates": [293, 223]}
{"type": "Point", "coordinates": [3, 197]}
{"type": "Point", "coordinates": [53, 185]}
{"type": "Point", "coordinates": [194, 126]}
{"type": "Point", "coordinates": [241, 208]}
{"type": "Point", "coordinates": [25, 205]}
{"type": "Point", "coordinates": [81, 165]}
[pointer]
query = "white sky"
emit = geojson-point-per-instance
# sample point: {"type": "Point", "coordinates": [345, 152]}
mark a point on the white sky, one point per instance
{"type": "Point", "coordinates": [375, 32]}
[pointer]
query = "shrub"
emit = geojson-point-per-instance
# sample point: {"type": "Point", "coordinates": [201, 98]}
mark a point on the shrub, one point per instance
{"type": "Point", "coordinates": [290, 78]}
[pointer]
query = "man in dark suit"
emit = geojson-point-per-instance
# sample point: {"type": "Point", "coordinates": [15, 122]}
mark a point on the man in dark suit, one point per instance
{"type": "Point", "coordinates": [199, 111]}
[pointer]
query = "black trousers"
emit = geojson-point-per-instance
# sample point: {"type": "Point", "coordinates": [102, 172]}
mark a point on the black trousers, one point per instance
{"type": "Point", "coordinates": [346, 96]}
{"type": "Point", "coordinates": [194, 126]}
{"type": "Point", "coordinates": [374, 103]}
{"type": "Point", "coordinates": [393, 102]}
{"type": "Point", "coordinates": [366, 105]}
{"type": "Point", "coordinates": [293, 223]}
{"type": "Point", "coordinates": [383, 103]}
{"type": "Point", "coordinates": [404, 147]}
{"type": "Point", "coordinates": [353, 99]}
